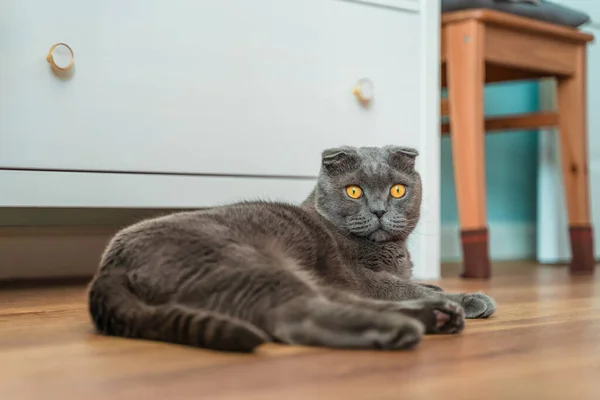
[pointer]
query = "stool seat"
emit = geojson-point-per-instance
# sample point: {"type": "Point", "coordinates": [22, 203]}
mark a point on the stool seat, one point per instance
{"type": "Point", "coordinates": [541, 10]}
{"type": "Point", "coordinates": [484, 46]}
{"type": "Point", "coordinates": [518, 48]}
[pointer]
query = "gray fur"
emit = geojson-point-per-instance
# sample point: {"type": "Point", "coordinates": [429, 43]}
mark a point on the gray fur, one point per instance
{"type": "Point", "coordinates": [327, 273]}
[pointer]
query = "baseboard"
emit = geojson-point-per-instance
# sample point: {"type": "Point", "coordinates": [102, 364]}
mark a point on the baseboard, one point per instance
{"type": "Point", "coordinates": [48, 252]}
{"type": "Point", "coordinates": [51, 252]}
{"type": "Point", "coordinates": [508, 241]}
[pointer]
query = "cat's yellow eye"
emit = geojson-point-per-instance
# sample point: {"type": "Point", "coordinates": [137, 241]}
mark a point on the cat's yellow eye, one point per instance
{"type": "Point", "coordinates": [398, 191]}
{"type": "Point", "coordinates": [354, 192]}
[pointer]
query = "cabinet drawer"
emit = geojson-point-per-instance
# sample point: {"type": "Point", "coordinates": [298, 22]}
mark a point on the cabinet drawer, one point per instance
{"type": "Point", "coordinates": [49, 189]}
{"type": "Point", "coordinates": [213, 87]}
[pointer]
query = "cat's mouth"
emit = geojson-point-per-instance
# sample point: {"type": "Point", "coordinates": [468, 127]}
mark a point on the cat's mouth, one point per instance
{"type": "Point", "coordinates": [380, 235]}
{"type": "Point", "coordinates": [383, 232]}
{"type": "Point", "coordinates": [376, 230]}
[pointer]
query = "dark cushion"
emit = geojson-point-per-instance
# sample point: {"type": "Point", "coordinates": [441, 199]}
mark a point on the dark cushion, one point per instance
{"type": "Point", "coordinates": [544, 11]}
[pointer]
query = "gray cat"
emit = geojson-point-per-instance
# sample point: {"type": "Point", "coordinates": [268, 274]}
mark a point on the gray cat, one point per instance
{"type": "Point", "coordinates": [332, 272]}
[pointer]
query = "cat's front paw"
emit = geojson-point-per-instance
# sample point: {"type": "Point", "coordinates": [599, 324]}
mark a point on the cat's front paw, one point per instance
{"type": "Point", "coordinates": [438, 315]}
{"type": "Point", "coordinates": [478, 305]}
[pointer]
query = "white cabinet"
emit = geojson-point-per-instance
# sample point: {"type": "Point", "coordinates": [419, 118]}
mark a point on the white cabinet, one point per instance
{"type": "Point", "coordinates": [215, 87]}
{"type": "Point", "coordinates": [191, 103]}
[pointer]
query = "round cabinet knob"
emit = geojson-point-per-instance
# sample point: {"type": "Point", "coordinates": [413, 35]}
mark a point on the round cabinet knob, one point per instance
{"type": "Point", "coordinates": [61, 56]}
{"type": "Point", "coordinates": [364, 90]}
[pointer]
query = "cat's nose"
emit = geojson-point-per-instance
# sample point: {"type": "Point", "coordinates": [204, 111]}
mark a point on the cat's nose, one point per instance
{"type": "Point", "coordinates": [379, 213]}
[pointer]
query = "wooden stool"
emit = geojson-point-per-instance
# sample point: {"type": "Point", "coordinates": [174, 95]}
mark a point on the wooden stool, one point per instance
{"type": "Point", "coordinates": [482, 46]}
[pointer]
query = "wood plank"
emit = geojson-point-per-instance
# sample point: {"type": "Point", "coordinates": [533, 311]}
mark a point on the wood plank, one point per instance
{"type": "Point", "coordinates": [546, 332]}
{"type": "Point", "coordinates": [573, 133]}
{"type": "Point", "coordinates": [524, 51]}
{"type": "Point", "coordinates": [518, 23]}
{"type": "Point", "coordinates": [443, 46]}
{"type": "Point", "coordinates": [515, 122]}
{"type": "Point", "coordinates": [444, 110]}
{"type": "Point", "coordinates": [495, 73]}
{"type": "Point", "coordinates": [573, 142]}
{"type": "Point", "coordinates": [466, 77]}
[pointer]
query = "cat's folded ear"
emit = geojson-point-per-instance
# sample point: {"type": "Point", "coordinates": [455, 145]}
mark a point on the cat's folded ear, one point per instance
{"type": "Point", "coordinates": [339, 159]}
{"type": "Point", "coordinates": [402, 158]}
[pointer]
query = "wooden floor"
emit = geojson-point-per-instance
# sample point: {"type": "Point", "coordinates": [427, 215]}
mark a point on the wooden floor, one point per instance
{"type": "Point", "coordinates": [543, 343]}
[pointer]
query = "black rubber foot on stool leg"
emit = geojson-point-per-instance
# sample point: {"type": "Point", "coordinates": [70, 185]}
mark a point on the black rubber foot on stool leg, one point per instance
{"type": "Point", "coordinates": [476, 257]}
{"type": "Point", "coordinates": [582, 250]}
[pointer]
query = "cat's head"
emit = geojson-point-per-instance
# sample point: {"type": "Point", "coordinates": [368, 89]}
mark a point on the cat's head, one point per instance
{"type": "Point", "coordinates": [370, 192]}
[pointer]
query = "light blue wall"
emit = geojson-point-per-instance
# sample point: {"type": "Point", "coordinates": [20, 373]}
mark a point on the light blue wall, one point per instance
{"type": "Point", "coordinates": [511, 161]}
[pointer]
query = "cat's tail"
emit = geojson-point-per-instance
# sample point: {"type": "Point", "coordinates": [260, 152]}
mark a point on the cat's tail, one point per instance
{"type": "Point", "coordinates": [117, 311]}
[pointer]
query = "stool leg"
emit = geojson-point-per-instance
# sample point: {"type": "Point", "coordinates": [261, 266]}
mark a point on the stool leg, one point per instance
{"type": "Point", "coordinates": [466, 80]}
{"type": "Point", "coordinates": [572, 109]}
